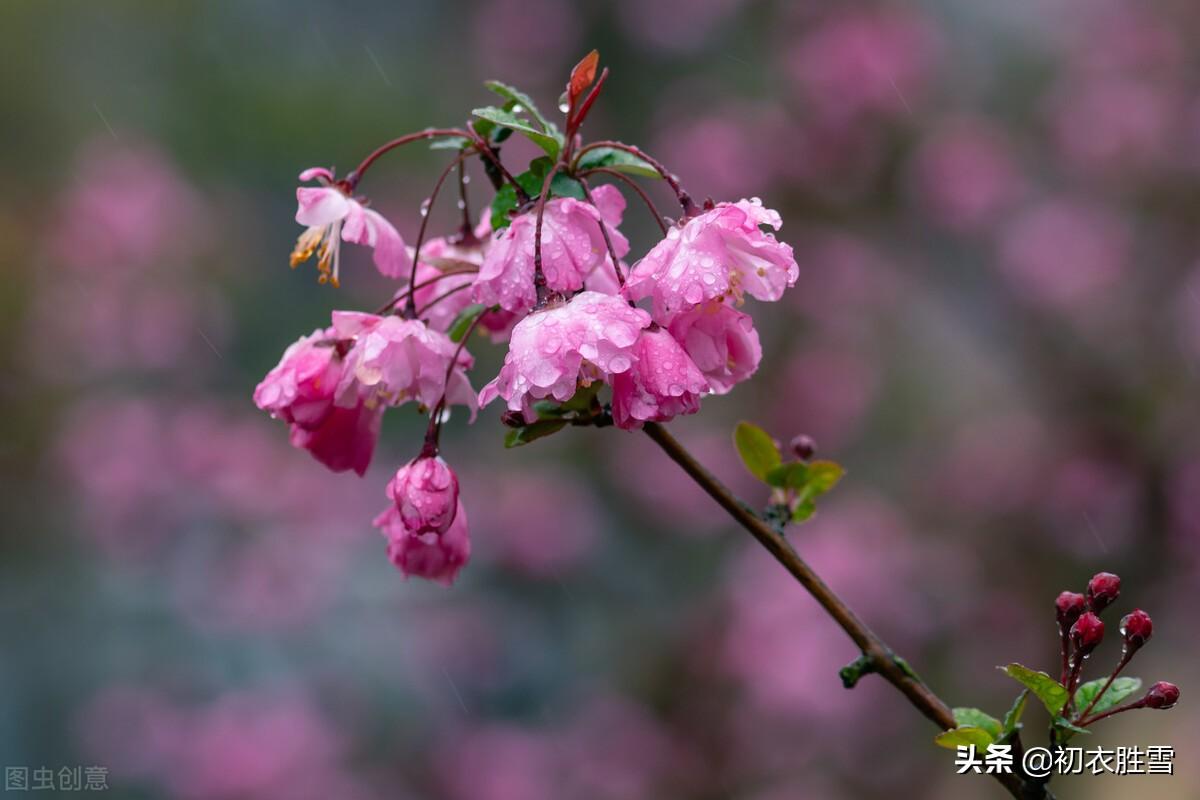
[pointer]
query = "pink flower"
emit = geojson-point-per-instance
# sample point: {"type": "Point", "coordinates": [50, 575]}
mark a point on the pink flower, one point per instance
{"type": "Point", "coordinates": [396, 360]}
{"type": "Point", "coordinates": [721, 341]}
{"type": "Point", "coordinates": [345, 438]}
{"type": "Point", "coordinates": [548, 348]}
{"type": "Point", "coordinates": [437, 557]}
{"type": "Point", "coordinates": [425, 491]}
{"type": "Point", "coordinates": [312, 390]}
{"type": "Point", "coordinates": [300, 389]}
{"type": "Point", "coordinates": [572, 247]}
{"type": "Point", "coordinates": [333, 215]}
{"type": "Point", "coordinates": [722, 252]}
{"type": "Point", "coordinates": [662, 383]}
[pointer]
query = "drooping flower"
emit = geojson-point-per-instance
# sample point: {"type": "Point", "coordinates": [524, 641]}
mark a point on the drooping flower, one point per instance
{"type": "Point", "coordinates": [396, 360]}
{"type": "Point", "coordinates": [436, 557]}
{"type": "Point", "coordinates": [720, 253]}
{"type": "Point", "coordinates": [572, 247]}
{"type": "Point", "coordinates": [332, 215]}
{"type": "Point", "coordinates": [721, 341]}
{"type": "Point", "coordinates": [662, 383]}
{"type": "Point", "coordinates": [425, 491]}
{"type": "Point", "coordinates": [592, 336]}
{"type": "Point", "coordinates": [326, 413]}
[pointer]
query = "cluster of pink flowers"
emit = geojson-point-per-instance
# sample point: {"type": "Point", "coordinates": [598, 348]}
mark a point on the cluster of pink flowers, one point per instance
{"type": "Point", "coordinates": [553, 284]}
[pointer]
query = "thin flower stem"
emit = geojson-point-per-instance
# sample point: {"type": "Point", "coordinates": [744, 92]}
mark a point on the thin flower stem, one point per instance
{"type": "Point", "coordinates": [685, 200]}
{"type": "Point", "coordinates": [1125, 657]}
{"type": "Point", "coordinates": [403, 294]}
{"type": "Point", "coordinates": [1127, 707]}
{"type": "Point", "coordinates": [873, 648]}
{"type": "Point", "coordinates": [426, 206]}
{"type": "Point", "coordinates": [632, 184]}
{"type": "Point", "coordinates": [539, 277]}
{"type": "Point", "coordinates": [612, 253]}
{"type": "Point", "coordinates": [429, 133]}
{"type": "Point", "coordinates": [442, 297]}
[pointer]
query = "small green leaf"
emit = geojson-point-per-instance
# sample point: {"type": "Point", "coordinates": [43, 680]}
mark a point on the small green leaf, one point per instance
{"type": "Point", "coordinates": [530, 180]}
{"type": "Point", "coordinates": [1012, 720]}
{"type": "Point", "coordinates": [1120, 689]}
{"type": "Point", "coordinates": [566, 186]}
{"type": "Point", "coordinates": [804, 511]}
{"type": "Point", "coordinates": [974, 718]}
{"type": "Point", "coordinates": [757, 449]}
{"type": "Point", "coordinates": [823, 476]}
{"type": "Point", "coordinates": [964, 736]}
{"type": "Point", "coordinates": [619, 160]}
{"type": "Point", "coordinates": [1065, 725]}
{"type": "Point", "coordinates": [583, 397]}
{"type": "Point", "coordinates": [791, 475]}
{"type": "Point", "coordinates": [450, 143]}
{"type": "Point", "coordinates": [550, 143]}
{"type": "Point", "coordinates": [458, 328]}
{"type": "Point", "coordinates": [1052, 693]}
{"type": "Point", "coordinates": [525, 434]}
{"type": "Point", "coordinates": [518, 98]}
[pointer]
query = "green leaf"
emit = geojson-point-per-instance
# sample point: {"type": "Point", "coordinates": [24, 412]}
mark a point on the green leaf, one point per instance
{"type": "Point", "coordinates": [619, 160]}
{"type": "Point", "coordinates": [1063, 724]}
{"type": "Point", "coordinates": [974, 718]}
{"type": "Point", "coordinates": [530, 180]}
{"type": "Point", "coordinates": [518, 98]}
{"type": "Point", "coordinates": [552, 144]}
{"type": "Point", "coordinates": [458, 328]}
{"type": "Point", "coordinates": [791, 475]}
{"type": "Point", "coordinates": [964, 736]}
{"type": "Point", "coordinates": [450, 143]}
{"type": "Point", "coordinates": [804, 511]}
{"type": "Point", "coordinates": [525, 434]}
{"type": "Point", "coordinates": [823, 476]}
{"type": "Point", "coordinates": [583, 397]}
{"type": "Point", "coordinates": [1052, 693]}
{"type": "Point", "coordinates": [566, 186]}
{"type": "Point", "coordinates": [1120, 689]}
{"type": "Point", "coordinates": [757, 449]}
{"type": "Point", "coordinates": [1012, 720]}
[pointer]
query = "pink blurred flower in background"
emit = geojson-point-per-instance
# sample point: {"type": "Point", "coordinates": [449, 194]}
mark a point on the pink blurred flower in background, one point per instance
{"type": "Point", "coordinates": [857, 62]}
{"type": "Point", "coordinates": [1061, 253]}
{"type": "Point", "coordinates": [239, 745]}
{"type": "Point", "coordinates": [501, 44]}
{"type": "Point", "coordinates": [1114, 124]}
{"type": "Point", "coordinates": [674, 25]}
{"type": "Point", "coordinates": [539, 539]}
{"type": "Point", "coordinates": [828, 390]}
{"type": "Point", "coordinates": [966, 174]}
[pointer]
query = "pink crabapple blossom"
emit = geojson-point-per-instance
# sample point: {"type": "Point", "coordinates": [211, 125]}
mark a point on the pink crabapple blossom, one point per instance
{"type": "Point", "coordinates": [572, 247]}
{"type": "Point", "coordinates": [332, 215]}
{"type": "Point", "coordinates": [721, 341]}
{"type": "Point", "coordinates": [720, 253]}
{"type": "Point", "coordinates": [396, 360]}
{"type": "Point", "coordinates": [591, 336]}
{"type": "Point", "coordinates": [436, 557]}
{"type": "Point", "coordinates": [662, 383]}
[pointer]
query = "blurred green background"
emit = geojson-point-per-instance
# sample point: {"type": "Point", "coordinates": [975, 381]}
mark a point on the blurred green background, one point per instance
{"type": "Point", "coordinates": [996, 330]}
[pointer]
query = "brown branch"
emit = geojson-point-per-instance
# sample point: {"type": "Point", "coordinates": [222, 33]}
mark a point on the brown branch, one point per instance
{"type": "Point", "coordinates": [880, 657]}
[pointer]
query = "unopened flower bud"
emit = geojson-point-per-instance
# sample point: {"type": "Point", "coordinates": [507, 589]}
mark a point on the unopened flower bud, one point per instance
{"type": "Point", "coordinates": [1136, 628]}
{"type": "Point", "coordinates": [1069, 606]}
{"type": "Point", "coordinates": [1162, 695]}
{"type": "Point", "coordinates": [512, 419]}
{"type": "Point", "coordinates": [1102, 590]}
{"type": "Point", "coordinates": [1087, 633]}
{"type": "Point", "coordinates": [426, 494]}
{"type": "Point", "coordinates": [803, 447]}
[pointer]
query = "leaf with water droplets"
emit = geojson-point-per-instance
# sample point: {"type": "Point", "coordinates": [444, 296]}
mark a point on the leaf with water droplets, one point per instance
{"type": "Point", "coordinates": [620, 160]}
{"type": "Point", "coordinates": [518, 98]}
{"type": "Point", "coordinates": [551, 143]}
{"type": "Point", "coordinates": [1120, 689]}
{"type": "Point", "coordinates": [1052, 693]}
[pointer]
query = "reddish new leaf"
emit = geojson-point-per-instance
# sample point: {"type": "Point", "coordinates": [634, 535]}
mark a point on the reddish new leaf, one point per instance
{"type": "Point", "coordinates": [583, 75]}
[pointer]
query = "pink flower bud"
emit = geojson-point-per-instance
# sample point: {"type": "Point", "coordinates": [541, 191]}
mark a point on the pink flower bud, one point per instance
{"type": "Point", "coordinates": [803, 447]}
{"type": "Point", "coordinates": [426, 494]}
{"type": "Point", "coordinates": [1102, 590]}
{"type": "Point", "coordinates": [1162, 695]}
{"type": "Point", "coordinates": [1069, 606]}
{"type": "Point", "coordinates": [431, 556]}
{"type": "Point", "coordinates": [1136, 627]}
{"type": "Point", "coordinates": [1087, 633]}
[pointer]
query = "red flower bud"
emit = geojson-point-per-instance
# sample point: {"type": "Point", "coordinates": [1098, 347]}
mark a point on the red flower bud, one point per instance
{"type": "Point", "coordinates": [1162, 695]}
{"type": "Point", "coordinates": [804, 447]}
{"type": "Point", "coordinates": [1102, 589]}
{"type": "Point", "coordinates": [1087, 633]}
{"type": "Point", "coordinates": [1136, 627]}
{"type": "Point", "coordinates": [1069, 606]}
